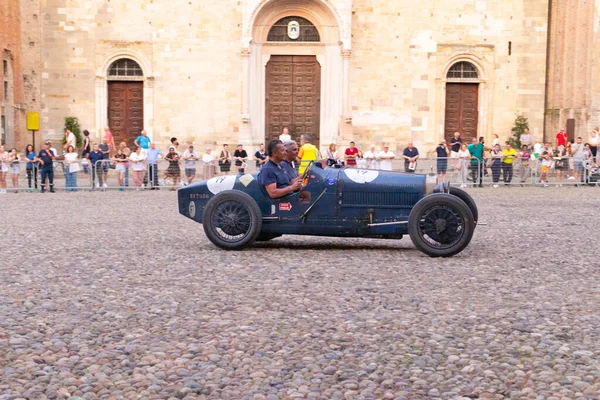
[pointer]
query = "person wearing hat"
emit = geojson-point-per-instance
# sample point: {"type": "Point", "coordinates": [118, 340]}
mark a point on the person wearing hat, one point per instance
{"type": "Point", "coordinates": [240, 156]}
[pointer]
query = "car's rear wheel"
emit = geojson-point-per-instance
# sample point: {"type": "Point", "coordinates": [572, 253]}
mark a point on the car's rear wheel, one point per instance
{"type": "Point", "coordinates": [232, 220]}
{"type": "Point", "coordinates": [441, 225]}
{"type": "Point", "coordinates": [466, 197]}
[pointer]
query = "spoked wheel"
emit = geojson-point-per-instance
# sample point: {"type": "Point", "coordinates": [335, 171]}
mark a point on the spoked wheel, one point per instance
{"type": "Point", "coordinates": [441, 225]}
{"type": "Point", "coordinates": [464, 196]}
{"type": "Point", "coordinates": [232, 220]}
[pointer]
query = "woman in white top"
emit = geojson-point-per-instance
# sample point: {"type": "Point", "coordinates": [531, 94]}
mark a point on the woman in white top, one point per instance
{"type": "Point", "coordinates": [72, 167]}
{"type": "Point", "coordinates": [464, 159]}
{"type": "Point", "coordinates": [496, 140]}
{"type": "Point", "coordinates": [138, 159]}
{"type": "Point", "coordinates": [594, 141]}
{"type": "Point", "coordinates": [3, 168]}
{"type": "Point", "coordinates": [70, 139]}
{"type": "Point", "coordinates": [15, 168]}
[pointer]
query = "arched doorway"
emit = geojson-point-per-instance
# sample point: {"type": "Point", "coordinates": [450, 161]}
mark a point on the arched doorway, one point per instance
{"type": "Point", "coordinates": [125, 100]}
{"type": "Point", "coordinates": [462, 101]}
{"type": "Point", "coordinates": [293, 83]}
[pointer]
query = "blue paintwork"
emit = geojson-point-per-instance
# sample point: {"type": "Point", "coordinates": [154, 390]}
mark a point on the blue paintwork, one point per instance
{"type": "Point", "coordinates": [345, 207]}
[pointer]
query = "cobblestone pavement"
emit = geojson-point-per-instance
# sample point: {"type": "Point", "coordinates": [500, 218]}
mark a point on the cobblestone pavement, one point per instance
{"type": "Point", "coordinates": [114, 295]}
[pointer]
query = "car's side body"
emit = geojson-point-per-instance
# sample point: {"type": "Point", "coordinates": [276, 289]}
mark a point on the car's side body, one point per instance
{"type": "Point", "coordinates": [335, 202]}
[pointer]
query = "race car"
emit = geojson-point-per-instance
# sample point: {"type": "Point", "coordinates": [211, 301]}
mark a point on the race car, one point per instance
{"type": "Point", "coordinates": [236, 210]}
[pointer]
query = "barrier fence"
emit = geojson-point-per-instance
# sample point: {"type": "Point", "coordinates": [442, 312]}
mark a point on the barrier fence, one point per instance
{"type": "Point", "coordinates": [109, 174]}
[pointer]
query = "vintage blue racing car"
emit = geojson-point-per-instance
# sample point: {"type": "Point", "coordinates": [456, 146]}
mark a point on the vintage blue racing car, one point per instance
{"type": "Point", "coordinates": [236, 210]}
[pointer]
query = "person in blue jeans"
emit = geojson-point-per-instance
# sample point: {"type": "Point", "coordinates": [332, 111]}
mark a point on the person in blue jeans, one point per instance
{"type": "Point", "coordinates": [96, 157]}
{"type": "Point", "coordinates": [32, 168]}
{"type": "Point", "coordinates": [46, 157]}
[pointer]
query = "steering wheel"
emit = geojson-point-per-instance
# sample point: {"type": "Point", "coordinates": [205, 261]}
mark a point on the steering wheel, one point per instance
{"type": "Point", "coordinates": [304, 180]}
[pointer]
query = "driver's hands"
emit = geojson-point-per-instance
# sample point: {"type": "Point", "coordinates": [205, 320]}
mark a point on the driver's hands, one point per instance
{"type": "Point", "coordinates": [295, 185]}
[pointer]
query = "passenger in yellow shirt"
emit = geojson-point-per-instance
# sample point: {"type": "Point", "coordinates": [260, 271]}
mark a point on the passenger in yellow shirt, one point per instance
{"type": "Point", "coordinates": [509, 155]}
{"type": "Point", "coordinates": [307, 153]}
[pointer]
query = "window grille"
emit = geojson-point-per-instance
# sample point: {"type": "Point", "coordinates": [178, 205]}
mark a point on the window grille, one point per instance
{"type": "Point", "coordinates": [463, 71]}
{"type": "Point", "coordinates": [125, 68]}
{"type": "Point", "coordinates": [279, 31]}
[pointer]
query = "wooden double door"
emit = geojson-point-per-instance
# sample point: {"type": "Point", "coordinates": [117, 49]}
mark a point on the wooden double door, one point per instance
{"type": "Point", "coordinates": [293, 91]}
{"type": "Point", "coordinates": [126, 111]}
{"type": "Point", "coordinates": [461, 110]}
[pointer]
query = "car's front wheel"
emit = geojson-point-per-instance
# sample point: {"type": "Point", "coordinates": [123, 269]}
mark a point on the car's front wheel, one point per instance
{"type": "Point", "coordinates": [232, 220]}
{"type": "Point", "coordinates": [441, 225]}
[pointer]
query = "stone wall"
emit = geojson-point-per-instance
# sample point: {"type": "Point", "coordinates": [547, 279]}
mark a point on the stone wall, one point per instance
{"type": "Point", "coordinates": [31, 63]}
{"type": "Point", "coordinates": [574, 73]}
{"type": "Point", "coordinates": [402, 50]}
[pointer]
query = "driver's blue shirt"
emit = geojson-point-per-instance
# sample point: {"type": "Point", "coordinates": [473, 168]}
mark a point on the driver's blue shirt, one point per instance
{"type": "Point", "coordinates": [272, 173]}
{"type": "Point", "coordinates": [289, 169]}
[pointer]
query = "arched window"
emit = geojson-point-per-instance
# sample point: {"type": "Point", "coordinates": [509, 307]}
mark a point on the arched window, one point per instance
{"type": "Point", "coordinates": [462, 71]}
{"type": "Point", "coordinates": [125, 68]}
{"type": "Point", "coordinates": [293, 29]}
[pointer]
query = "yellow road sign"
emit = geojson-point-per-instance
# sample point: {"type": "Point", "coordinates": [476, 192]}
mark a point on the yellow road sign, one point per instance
{"type": "Point", "coordinates": [33, 121]}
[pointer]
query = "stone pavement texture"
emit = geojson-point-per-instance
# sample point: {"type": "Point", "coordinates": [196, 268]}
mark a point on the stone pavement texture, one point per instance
{"type": "Point", "coordinates": [114, 295]}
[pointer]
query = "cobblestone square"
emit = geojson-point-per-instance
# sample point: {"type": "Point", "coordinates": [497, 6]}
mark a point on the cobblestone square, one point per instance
{"type": "Point", "coordinates": [115, 295]}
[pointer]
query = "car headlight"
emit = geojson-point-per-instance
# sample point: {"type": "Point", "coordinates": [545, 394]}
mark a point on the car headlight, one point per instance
{"type": "Point", "coordinates": [430, 182]}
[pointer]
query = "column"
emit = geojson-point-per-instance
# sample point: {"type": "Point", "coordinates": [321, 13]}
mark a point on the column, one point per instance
{"type": "Point", "coordinates": [245, 132]}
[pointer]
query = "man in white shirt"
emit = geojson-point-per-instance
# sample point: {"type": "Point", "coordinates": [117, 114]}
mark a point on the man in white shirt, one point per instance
{"type": "Point", "coordinates": [285, 135]}
{"type": "Point", "coordinates": [190, 157]}
{"type": "Point", "coordinates": [385, 158]}
{"type": "Point", "coordinates": [372, 158]}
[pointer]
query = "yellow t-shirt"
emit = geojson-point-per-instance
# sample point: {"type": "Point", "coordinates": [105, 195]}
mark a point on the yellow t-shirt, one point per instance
{"type": "Point", "coordinates": [309, 153]}
{"type": "Point", "coordinates": [509, 156]}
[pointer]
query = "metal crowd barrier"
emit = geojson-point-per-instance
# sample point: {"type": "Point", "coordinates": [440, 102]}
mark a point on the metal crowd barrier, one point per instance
{"type": "Point", "coordinates": [28, 176]}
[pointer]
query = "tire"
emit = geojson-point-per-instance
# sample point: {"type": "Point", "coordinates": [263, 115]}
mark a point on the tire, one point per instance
{"type": "Point", "coordinates": [441, 225]}
{"type": "Point", "coordinates": [466, 197]}
{"type": "Point", "coordinates": [232, 220]}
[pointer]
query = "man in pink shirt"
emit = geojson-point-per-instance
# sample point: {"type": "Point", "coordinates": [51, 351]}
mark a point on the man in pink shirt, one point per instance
{"type": "Point", "coordinates": [350, 155]}
{"type": "Point", "coordinates": [561, 138]}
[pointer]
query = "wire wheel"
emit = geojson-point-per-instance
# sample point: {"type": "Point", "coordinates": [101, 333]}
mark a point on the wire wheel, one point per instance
{"type": "Point", "coordinates": [441, 226]}
{"type": "Point", "coordinates": [231, 221]}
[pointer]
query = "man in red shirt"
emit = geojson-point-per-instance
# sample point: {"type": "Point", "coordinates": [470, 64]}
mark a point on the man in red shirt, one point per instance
{"type": "Point", "coordinates": [561, 138]}
{"type": "Point", "coordinates": [350, 155]}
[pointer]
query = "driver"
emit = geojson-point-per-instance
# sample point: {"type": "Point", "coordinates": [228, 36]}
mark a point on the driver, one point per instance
{"type": "Point", "coordinates": [276, 182]}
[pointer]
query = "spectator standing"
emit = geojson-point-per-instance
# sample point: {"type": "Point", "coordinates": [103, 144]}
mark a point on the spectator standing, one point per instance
{"type": "Point", "coordinates": [46, 158]}
{"type": "Point", "coordinates": [14, 159]}
{"type": "Point", "coordinates": [350, 155]}
{"type": "Point", "coordinates": [507, 163]}
{"type": "Point", "coordinates": [137, 159]}
{"type": "Point", "coordinates": [496, 140]}
{"type": "Point", "coordinates": [174, 144]}
{"type": "Point", "coordinates": [442, 152]}
{"type": "Point", "coordinates": [209, 164]}
{"type": "Point", "coordinates": [526, 138]}
{"type": "Point", "coordinates": [476, 149]}
{"type": "Point", "coordinates": [153, 155]}
{"type": "Point", "coordinates": [360, 161]}
{"type": "Point", "coordinates": [496, 156]}
{"type": "Point", "coordinates": [127, 151]}
{"type": "Point", "coordinates": [70, 139]}
{"type": "Point", "coordinates": [285, 135]}
{"type": "Point", "coordinates": [225, 160]}
{"type": "Point", "coordinates": [577, 150]}
{"type": "Point", "coordinates": [561, 164]}
{"type": "Point", "coordinates": [561, 138]}
{"type": "Point", "coordinates": [240, 156]}
{"type": "Point", "coordinates": [260, 157]}
{"type": "Point", "coordinates": [594, 141]}
{"type": "Point", "coordinates": [71, 169]}
{"type": "Point", "coordinates": [289, 158]}
{"type": "Point", "coordinates": [372, 158]}
{"type": "Point", "coordinates": [410, 155]}
{"type": "Point", "coordinates": [546, 157]}
{"type": "Point", "coordinates": [308, 152]}
{"type": "Point", "coordinates": [32, 168]}
{"type": "Point", "coordinates": [105, 149]}
{"type": "Point", "coordinates": [86, 144]}
{"type": "Point", "coordinates": [455, 145]}
{"type": "Point", "coordinates": [4, 157]}
{"type": "Point", "coordinates": [174, 170]}
{"type": "Point", "coordinates": [120, 160]}
{"type": "Point", "coordinates": [96, 157]}
{"type": "Point", "coordinates": [385, 158]}
{"type": "Point", "coordinates": [462, 166]}
{"type": "Point", "coordinates": [143, 141]}
{"type": "Point", "coordinates": [524, 158]}
{"type": "Point", "coordinates": [332, 155]}
{"type": "Point", "coordinates": [110, 140]}
{"type": "Point", "coordinates": [190, 157]}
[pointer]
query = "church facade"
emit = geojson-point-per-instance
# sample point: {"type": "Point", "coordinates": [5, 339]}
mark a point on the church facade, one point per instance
{"type": "Point", "coordinates": [371, 71]}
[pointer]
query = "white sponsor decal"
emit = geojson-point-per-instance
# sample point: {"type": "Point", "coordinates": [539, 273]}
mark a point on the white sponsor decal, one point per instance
{"type": "Point", "coordinates": [246, 179]}
{"type": "Point", "coordinates": [192, 209]}
{"type": "Point", "coordinates": [361, 175]}
{"type": "Point", "coordinates": [221, 183]}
